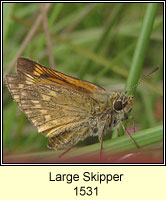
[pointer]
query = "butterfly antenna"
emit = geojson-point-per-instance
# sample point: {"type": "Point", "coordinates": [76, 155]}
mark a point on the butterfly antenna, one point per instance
{"type": "Point", "coordinates": [143, 79]}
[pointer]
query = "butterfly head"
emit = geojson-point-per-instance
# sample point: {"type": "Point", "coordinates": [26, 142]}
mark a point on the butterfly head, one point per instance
{"type": "Point", "coordinates": [121, 102]}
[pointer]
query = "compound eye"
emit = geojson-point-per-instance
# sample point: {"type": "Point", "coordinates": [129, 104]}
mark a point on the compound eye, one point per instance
{"type": "Point", "coordinates": [118, 105]}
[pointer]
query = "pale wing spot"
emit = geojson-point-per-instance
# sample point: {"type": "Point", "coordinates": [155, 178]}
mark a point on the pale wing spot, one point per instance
{"type": "Point", "coordinates": [47, 117]}
{"type": "Point", "coordinates": [35, 102]}
{"type": "Point", "coordinates": [37, 106]}
{"type": "Point", "coordinates": [16, 96]}
{"type": "Point", "coordinates": [15, 91]}
{"type": "Point", "coordinates": [29, 82]}
{"type": "Point", "coordinates": [20, 86]}
{"type": "Point", "coordinates": [24, 102]}
{"type": "Point", "coordinates": [10, 86]}
{"type": "Point", "coordinates": [45, 97]}
{"type": "Point", "coordinates": [29, 79]}
{"type": "Point", "coordinates": [26, 105]}
{"type": "Point", "coordinates": [29, 76]}
{"type": "Point", "coordinates": [44, 111]}
{"type": "Point", "coordinates": [36, 73]}
{"type": "Point", "coordinates": [30, 112]}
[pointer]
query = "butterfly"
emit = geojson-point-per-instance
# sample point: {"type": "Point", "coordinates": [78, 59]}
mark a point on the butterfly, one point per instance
{"type": "Point", "coordinates": [65, 109]}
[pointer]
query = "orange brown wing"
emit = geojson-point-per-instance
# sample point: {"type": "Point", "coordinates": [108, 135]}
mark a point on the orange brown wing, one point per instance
{"type": "Point", "coordinates": [58, 105]}
{"type": "Point", "coordinates": [47, 102]}
{"type": "Point", "coordinates": [53, 77]}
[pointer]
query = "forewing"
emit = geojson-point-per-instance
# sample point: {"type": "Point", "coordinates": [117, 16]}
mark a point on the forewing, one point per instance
{"type": "Point", "coordinates": [52, 77]}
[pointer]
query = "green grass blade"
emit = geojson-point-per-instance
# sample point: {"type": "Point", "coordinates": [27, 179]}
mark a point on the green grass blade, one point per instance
{"type": "Point", "coordinates": [140, 51]}
{"type": "Point", "coordinates": [141, 47]}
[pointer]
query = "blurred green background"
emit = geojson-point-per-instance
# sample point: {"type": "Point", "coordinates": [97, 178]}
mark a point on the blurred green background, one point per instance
{"type": "Point", "coordinates": [91, 41]}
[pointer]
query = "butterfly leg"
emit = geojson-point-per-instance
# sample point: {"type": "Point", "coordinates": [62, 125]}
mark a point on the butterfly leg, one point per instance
{"type": "Point", "coordinates": [101, 136]}
{"type": "Point", "coordinates": [133, 122]}
{"type": "Point", "coordinates": [129, 117]}
{"type": "Point", "coordinates": [101, 146]}
{"type": "Point", "coordinates": [125, 129]}
{"type": "Point", "coordinates": [67, 150]}
{"type": "Point", "coordinates": [118, 132]}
